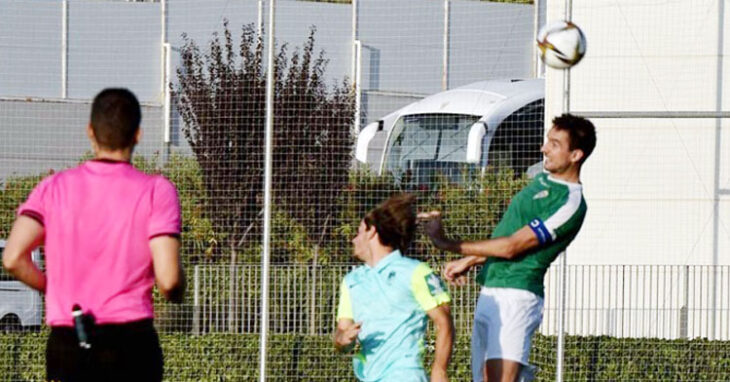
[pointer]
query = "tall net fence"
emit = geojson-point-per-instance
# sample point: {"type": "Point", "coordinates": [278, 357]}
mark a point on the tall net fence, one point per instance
{"type": "Point", "coordinates": [655, 298]}
{"type": "Point", "coordinates": [442, 99]}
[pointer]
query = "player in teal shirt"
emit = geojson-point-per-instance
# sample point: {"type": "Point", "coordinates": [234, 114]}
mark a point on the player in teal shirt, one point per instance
{"type": "Point", "coordinates": [538, 225]}
{"type": "Point", "coordinates": [385, 303]}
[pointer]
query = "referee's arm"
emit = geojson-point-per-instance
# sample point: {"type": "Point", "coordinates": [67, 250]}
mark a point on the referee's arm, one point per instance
{"type": "Point", "coordinates": [169, 274]}
{"type": "Point", "coordinates": [26, 235]}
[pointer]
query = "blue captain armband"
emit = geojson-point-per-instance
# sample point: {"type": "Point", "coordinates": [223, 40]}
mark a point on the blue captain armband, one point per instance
{"type": "Point", "coordinates": [541, 231]}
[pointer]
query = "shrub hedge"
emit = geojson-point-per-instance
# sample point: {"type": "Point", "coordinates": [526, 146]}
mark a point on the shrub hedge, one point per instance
{"type": "Point", "coordinates": [293, 357]}
{"type": "Point", "coordinates": [472, 208]}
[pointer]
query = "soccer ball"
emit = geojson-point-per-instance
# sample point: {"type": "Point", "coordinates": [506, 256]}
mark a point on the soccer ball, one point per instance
{"type": "Point", "coordinates": [561, 44]}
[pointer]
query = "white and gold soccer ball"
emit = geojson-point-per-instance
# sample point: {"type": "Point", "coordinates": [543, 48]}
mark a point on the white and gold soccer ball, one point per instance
{"type": "Point", "coordinates": [561, 44]}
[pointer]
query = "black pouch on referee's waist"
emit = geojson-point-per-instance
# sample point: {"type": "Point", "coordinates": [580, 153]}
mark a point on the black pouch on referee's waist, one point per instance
{"type": "Point", "coordinates": [84, 325]}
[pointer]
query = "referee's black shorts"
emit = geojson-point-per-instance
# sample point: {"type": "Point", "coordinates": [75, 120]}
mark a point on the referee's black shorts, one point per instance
{"type": "Point", "coordinates": [119, 352]}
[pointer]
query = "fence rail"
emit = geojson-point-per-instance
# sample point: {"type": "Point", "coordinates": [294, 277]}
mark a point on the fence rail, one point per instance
{"type": "Point", "coordinates": [656, 301]}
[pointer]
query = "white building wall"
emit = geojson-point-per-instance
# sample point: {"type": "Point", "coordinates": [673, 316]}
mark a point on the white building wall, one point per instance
{"type": "Point", "coordinates": [651, 184]}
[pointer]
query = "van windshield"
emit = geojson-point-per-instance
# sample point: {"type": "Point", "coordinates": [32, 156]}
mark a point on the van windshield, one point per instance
{"type": "Point", "coordinates": [423, 146]}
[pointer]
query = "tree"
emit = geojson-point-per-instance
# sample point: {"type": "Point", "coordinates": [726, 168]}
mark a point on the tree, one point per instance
{"type": "Point", "coordinates": [221, 98]}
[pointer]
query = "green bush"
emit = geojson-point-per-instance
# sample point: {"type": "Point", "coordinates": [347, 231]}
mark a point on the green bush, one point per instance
{"type": "Point", "coordinates": [294, 357]}
{"type": "Point", "coordinates": [471, 209]}
{"type": "Point", "coordinates": [22, 356]}
{"type": "Point", "coordinates": [13, 192]}
{"type": "Point", "coordinates": [198, 235]}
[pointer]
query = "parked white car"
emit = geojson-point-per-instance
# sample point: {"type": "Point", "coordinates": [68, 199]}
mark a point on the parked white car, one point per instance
{"type": "Point", "coordinates": [498, 123]}
{"type": "Point", "coordinates": [20, 306]}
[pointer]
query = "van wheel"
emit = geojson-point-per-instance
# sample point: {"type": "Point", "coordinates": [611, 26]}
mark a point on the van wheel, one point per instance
{"type": "Point", "coordinates": [10, 323]}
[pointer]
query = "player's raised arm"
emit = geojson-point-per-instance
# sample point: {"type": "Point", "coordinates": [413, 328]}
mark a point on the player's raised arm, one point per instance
{"type": "Point", "coordinates": [506, 247]}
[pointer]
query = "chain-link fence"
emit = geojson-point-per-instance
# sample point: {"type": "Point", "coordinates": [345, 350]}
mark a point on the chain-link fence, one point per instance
{"type": "Point", "coordinates": [368, 99]}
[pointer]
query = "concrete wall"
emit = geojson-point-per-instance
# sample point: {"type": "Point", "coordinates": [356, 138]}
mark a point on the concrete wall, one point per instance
{"type": "Point", "coordinates": [658, 189]}
{"type": "Point", "coordinates": [109, 44]}
{"type": "Point", "coordinates": [36, 137]}
{"type": "Point", "coordinates": [114, 43]}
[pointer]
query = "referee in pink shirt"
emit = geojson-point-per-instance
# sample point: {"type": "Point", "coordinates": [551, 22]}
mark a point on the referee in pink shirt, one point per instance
{"type": "Point", "coordinates": [110, 233]}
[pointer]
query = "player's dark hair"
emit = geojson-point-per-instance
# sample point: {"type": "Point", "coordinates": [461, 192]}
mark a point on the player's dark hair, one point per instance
{"type": "Point", "coordinates": [395, 221]}
{"type": "Point", "coordinates": [115, 118]}
{"type": "Point", "coordinates": [581, 132]}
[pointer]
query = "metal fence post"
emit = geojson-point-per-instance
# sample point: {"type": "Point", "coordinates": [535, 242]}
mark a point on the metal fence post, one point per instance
{"type": "Point", "coordinates": [353, 66]}
{"type": "Point", "coordinates": [64, 49]}
{"type": "Point", "coordinates": [564, 261]}
{"type": "Point", "coordinates": [313, 293]}
{"type": "Point", "coordinates": [232, 293]}
{"type": "Point", "coordinates": [260, 18]}
{"type": "Point", "coordinates": [536, 29]}
{"type": "Point", "coordinates": [561, 316]}
{"type": "Point", "coordinates": [196, 300]}
{"type": "Point", "coordinates": [445, 58]}
{"type": "Point", "coordinates": [267, 193]}
{"type": "Point", "coordinates": [718, 144]}
{"type": "Point", "coordinates": [684, 310]}
{"type": "Point", "coordinates": [358, 87]}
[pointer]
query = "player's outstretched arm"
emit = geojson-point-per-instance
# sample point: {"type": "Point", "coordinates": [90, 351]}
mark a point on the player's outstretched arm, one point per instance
{"type": "Point", "coordinates": [504, 247]}
{"type": "Point", "coordinates": [441, 317]}
{"type": "Point", "coordinates": [507, 247]}
{"type": "Point", "coordinates": [169, 274]}
{"type": "Point", "coordinates": [26, 235]}
{"type": "Point", "coordinates": [346, 334]}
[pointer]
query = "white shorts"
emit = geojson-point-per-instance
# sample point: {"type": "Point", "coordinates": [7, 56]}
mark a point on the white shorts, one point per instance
{"type": "Point", "coordinates": [504, 322]}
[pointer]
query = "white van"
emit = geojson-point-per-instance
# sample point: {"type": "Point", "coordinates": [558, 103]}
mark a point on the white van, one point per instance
{"type": "Point", "coordinates": [487, 123]}
{"type": "Point", "coordinates": [20, 306]}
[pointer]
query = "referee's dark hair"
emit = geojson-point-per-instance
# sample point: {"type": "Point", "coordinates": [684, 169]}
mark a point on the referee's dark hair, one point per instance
{"type": "Point", "coordinates": [115, 118]}
{"type": "Point", "coordinates": [395, 221]}
{"type": "Point", "coordinates": [581, 131]}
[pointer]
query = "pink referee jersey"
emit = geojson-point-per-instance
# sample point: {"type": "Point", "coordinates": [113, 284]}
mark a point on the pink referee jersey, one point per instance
{"type": "Point", "coordinates": [99, 218]}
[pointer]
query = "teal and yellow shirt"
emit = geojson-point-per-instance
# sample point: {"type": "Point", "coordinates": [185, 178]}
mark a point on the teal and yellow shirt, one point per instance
{"type": "Point", "coordinates": [391, 300]}
{"type": "Point", "coordinates": [555, 211]}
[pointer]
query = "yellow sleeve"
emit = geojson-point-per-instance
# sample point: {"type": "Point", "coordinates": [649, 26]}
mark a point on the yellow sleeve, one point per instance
{"type": "Point", "coordinates": [427, 288]}
{"type": "Point", "coordinates": [344, 309]}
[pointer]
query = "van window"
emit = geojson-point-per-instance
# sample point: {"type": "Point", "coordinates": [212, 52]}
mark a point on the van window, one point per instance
{"type": "Point", "coordinates": [423, 146]}
{"type": "Point", "coordinates": [517, 141]}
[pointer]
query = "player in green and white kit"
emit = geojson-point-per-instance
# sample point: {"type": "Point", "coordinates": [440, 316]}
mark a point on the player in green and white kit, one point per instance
{"type": "Point", "coordinates": [538, 225]}
{"type": "Point", "coordinates": [385, 303]}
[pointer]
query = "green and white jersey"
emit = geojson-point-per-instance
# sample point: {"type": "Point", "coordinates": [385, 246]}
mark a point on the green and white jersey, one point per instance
{"type": "Point", "coordinates": [391, 300]}
{"type": "Point", "coordinates": [555, 210]}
